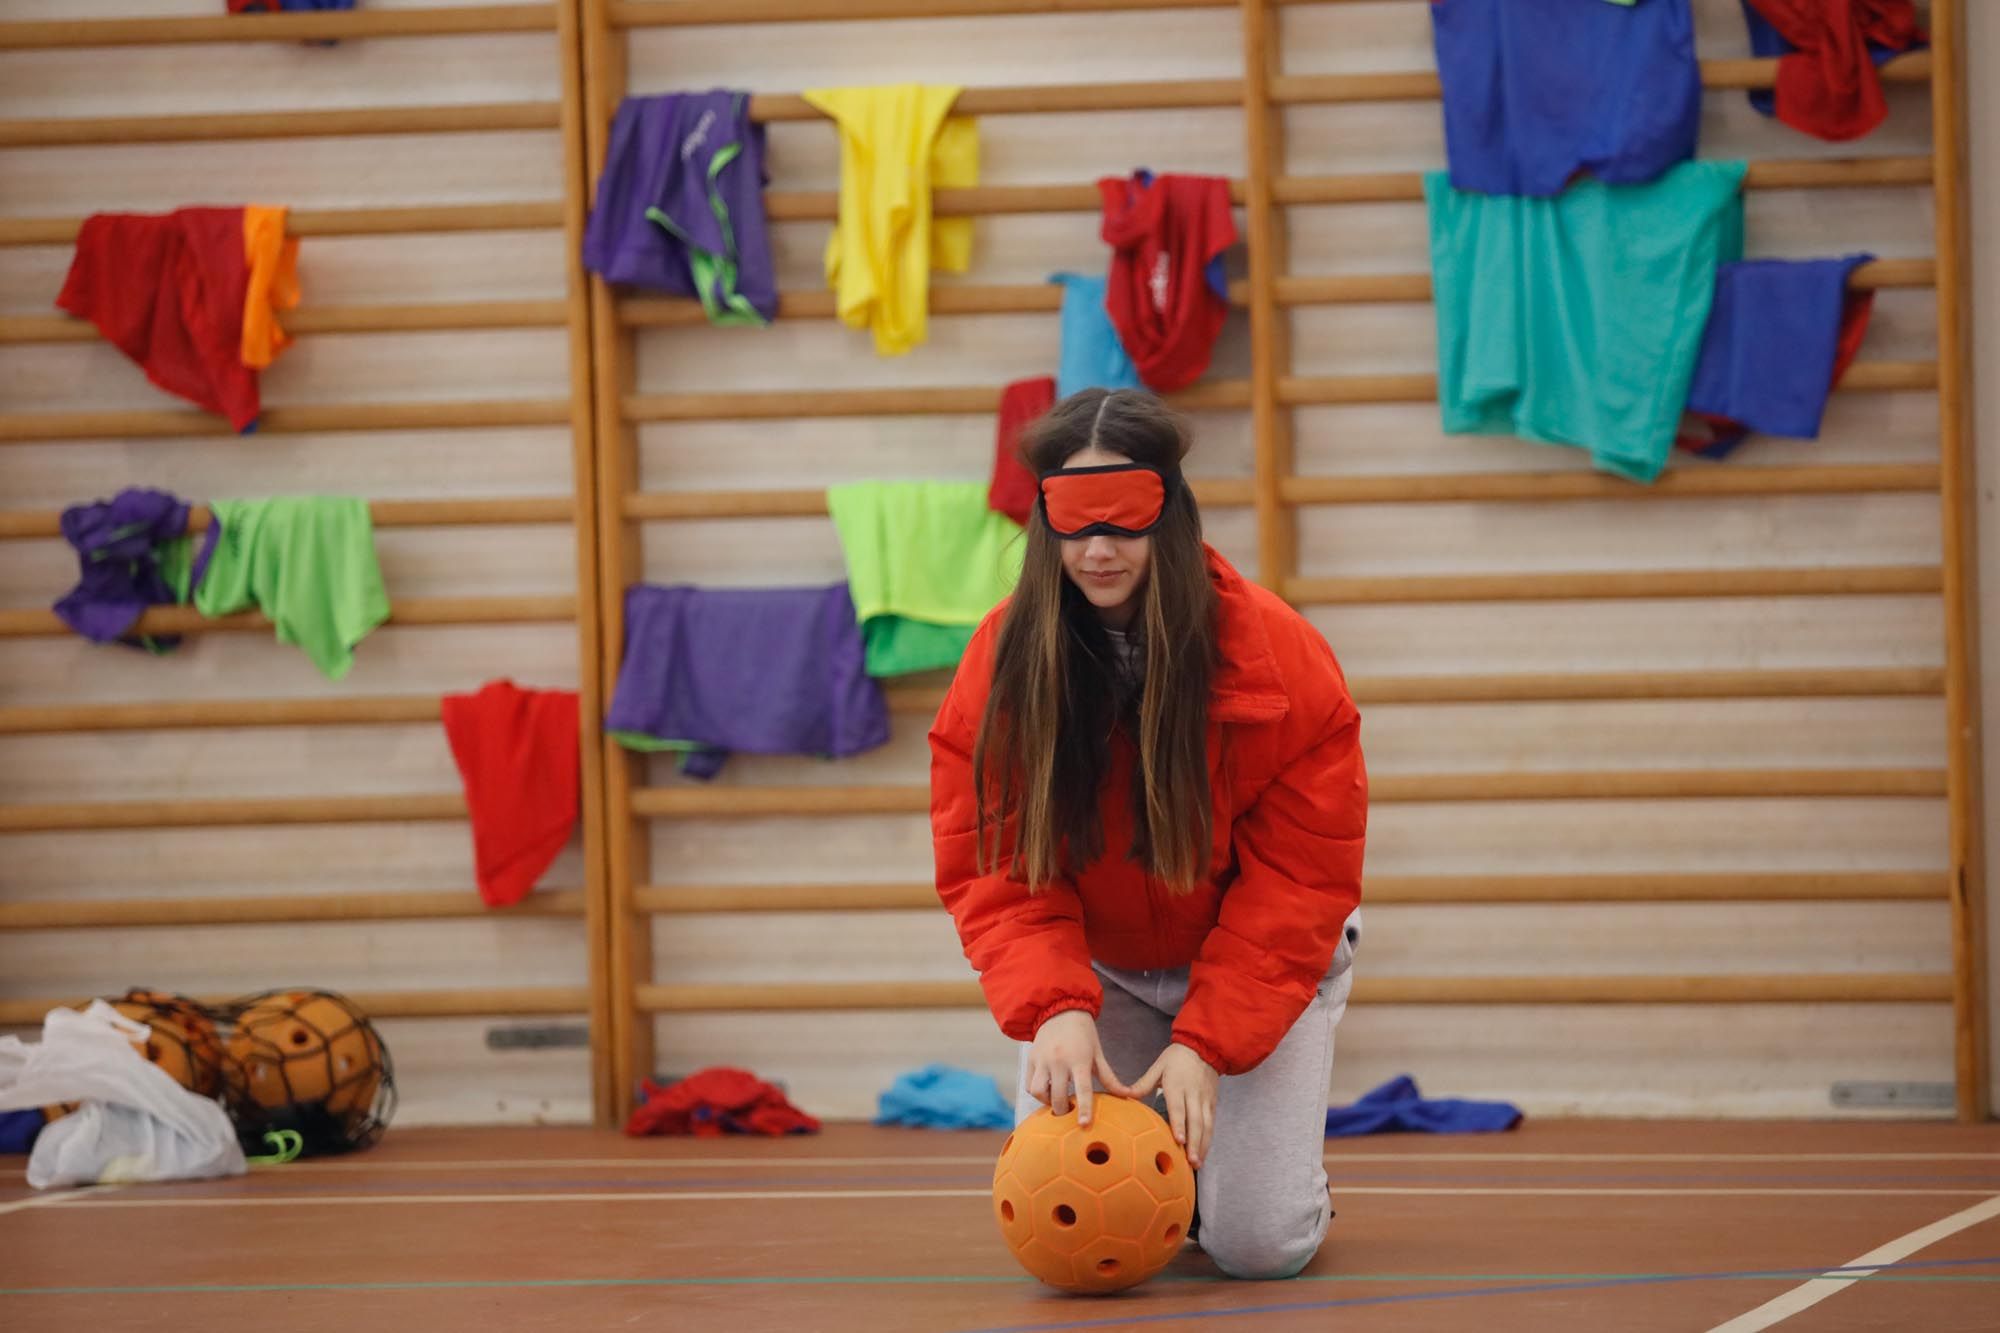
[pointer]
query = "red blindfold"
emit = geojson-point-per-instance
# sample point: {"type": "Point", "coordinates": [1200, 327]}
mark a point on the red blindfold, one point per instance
{"type": "Point", "coordinates": [1122, 500]}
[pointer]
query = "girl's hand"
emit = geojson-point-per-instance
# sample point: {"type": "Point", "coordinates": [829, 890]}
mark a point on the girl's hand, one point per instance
{"type": "Point", "coordinates": [1064, 1056]}
{"type": "Point", "coordinates": [1188, 1082]}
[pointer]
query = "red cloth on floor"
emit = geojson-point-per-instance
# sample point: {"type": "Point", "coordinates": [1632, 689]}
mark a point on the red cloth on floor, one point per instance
{"type": "Point", "coordinates": [1013, 489]}
{"type": "Point", "coordinates": [1829, 87]}
{"type": "Point", "coordinates": [1163, 235]}
{"type": "Point", "coordinates": [715, 1102]}
{"type": "Point", "coordinates": [517, 756]}
{"type": "Point", "coordinates": [168, 290]}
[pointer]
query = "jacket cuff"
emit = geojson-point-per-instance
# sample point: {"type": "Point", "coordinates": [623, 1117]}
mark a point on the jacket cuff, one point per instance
{"type": "Point", "coordinates": [1082, 1002]}
{"type": "Point", "coordinates": [1181, 1036]}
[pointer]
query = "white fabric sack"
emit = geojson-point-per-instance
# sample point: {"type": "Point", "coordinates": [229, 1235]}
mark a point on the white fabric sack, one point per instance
{"type": "Point", "coordinates": [135, 1122]}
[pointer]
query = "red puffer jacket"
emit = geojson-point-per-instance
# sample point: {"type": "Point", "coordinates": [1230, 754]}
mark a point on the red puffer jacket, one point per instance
{"type": "Point", "coordinates": [1291, 811]}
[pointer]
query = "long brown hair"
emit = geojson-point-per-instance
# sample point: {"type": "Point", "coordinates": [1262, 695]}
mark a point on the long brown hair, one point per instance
{"type": "Point", "coordinates": [1057, 696]}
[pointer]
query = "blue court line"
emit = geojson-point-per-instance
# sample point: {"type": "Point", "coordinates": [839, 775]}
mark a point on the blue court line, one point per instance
{"type": "Point", "coordinates": [1519, 1289]}
{"type": "Point", "coordinates": [1533, 1281]}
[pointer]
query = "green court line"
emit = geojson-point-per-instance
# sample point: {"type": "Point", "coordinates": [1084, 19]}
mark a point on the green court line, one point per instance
{"type": "Point", "coordinates": [963, 1279]}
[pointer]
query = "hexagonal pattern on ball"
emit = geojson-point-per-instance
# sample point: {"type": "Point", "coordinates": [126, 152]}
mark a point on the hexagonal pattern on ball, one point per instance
{"type": "Point", "coordinates": [1093, 1209]}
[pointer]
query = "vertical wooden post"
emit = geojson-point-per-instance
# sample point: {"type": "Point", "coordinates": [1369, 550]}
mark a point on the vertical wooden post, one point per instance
{"type": "Point", "coordinates": [1961, 553]}
{"type": "Point", "coordinates": [628, 938]}
{"type": "Point", "coordinates": [583, 483]}
{"type": "Point", "coordinates": [1270, 343]}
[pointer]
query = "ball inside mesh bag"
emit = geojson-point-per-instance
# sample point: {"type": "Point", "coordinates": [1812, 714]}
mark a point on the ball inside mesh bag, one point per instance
{"type": "Point", "coordinates": [309, 1061]}
{"type": "Point", "coordinates": [183, 1038]}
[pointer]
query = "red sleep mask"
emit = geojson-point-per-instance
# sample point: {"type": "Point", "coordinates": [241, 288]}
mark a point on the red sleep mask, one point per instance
{"type": "Point", "coordinates": [1122, 500]}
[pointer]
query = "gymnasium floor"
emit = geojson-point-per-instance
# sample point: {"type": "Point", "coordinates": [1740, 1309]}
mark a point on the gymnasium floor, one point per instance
{"type": "Point", "coordinates": [1579, 1225]}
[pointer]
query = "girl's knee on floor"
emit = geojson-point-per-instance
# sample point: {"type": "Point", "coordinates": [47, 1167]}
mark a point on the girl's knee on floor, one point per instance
{"type": "Point", "coordinates": [1265, 1243]}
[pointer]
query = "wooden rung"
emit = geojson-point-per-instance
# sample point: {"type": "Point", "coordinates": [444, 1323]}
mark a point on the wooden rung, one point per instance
{"type": "Point", "coordinates": [240, 812]}
{"type": "Point", "coordinates": [692, 13]}
{"type": "Point", "coordinates": [751, 997]}
{"type": "Point", "coordinates": [1411, 288]}
{"type": "Point", "coordinates": [1688, 481]}
{"type": "Point", "coordinates": [1577, 687]}
{"type": "Point", "coordinates": [1330, 390]}
{"type": "Point", "coordinates": [1568, 687]}
{"type": "Point", "coordinates": [1391, 187]}
{"type": "Point", "coordinates": [1690, 784]}
{"type": "Point", "coordinates": [280, 909]}
{"type": "Point", "coordinates": [1718, 886]}
{"type": "Point", "coordinates": [45, 35]}
{"type": "Point", "coordinates": [923, 701]}
{"type": "Point", "coordinates": [692, 802]}
{"type": "Point", "coordinates": [690, 899]}
{"type": "Point", "coordinates": [696, 802]}
{"type": "Point", "coordinates": [984, 200]}
{"type": "Point", "coordinates": [1802, 988]}
{"type": "Point", "coordinates": [1163, 95]}
{"type": "Point", "coordinates": [1743, 75]}
{"type": "Point", "coordinates": [384, 514]}
{"type": "Point", "coordinates": [774, 406]}
{"type": "Point", "coordinates": [1220, 493]}
{"type": "Point", "coordinates": [649, 312]}
{"type": "Point", "coordinates": [914, 699]}
{"type": "Point", "coordinates": [160, 620]}
{"type": "Point", "coordinates": [1369, 988]}
{"type": "Point", "coordinates": [170, 423]}
{"type": "Point", "coordinates": [335, 711]}
{"type": "Point", "coordinates": [71, 131]}
{"type": "Point", "coordinates": [1806, 581]}
{"type": "Point", "coordinates": [494, 1001]}
{"type": "Point", "coordinates": [1423, 85]}
{"type": "Point", "coordinates": [974, 201]}
{"type": "Point", "coordinates": [1713, 886]}
{"type": "Point", "coordinates": [306, 222]}
{"type": "Point", "coordinates": [333, 319]}
{"type": "Point", "coordinates": [1888, 377]}
{"type": "Point", "coordinates": [653, 312]}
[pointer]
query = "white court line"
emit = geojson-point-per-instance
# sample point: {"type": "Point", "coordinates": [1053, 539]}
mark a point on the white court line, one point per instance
{"type": "Point", "coordinates": [782, 1163]}
{"type": "Point", "coordinates": [34, 1201]}
{"type": "Point", "coordinates": [1808, 1294]}
{"type": "Point", "coordinates": [713, 1196]}
{"type": "Point", "coordinates": [50, 1200]}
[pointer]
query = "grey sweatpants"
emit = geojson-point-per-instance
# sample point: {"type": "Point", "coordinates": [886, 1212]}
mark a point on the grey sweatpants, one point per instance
{"type": "Point", "coordinates": [1262, 1193]}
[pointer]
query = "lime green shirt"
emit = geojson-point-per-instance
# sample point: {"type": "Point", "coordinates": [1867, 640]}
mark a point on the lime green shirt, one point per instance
{"type": "Point", "coordinates": [308, 562]}
{"type": "Point", "coordinates": [926, 560]}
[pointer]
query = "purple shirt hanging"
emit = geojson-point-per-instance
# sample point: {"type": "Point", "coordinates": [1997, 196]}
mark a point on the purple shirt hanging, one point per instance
{"type": "Point", "coordinates": [761, 670]}
{"type": "Point", "coordinates": [680, 206]}
{"type": "Point", "coordinates": [125, 565]}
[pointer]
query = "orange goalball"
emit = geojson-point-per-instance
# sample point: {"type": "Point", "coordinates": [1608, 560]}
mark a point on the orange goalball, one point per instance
{"type": "Point", "coordinates": [1094, 1208]}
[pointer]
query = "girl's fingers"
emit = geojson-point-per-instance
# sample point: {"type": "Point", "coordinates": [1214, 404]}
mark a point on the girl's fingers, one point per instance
{"type": "Point", "coordinates": [1059, 1092]}
{"type": "Point", "coordinates": [1177, 1115]}
{"type": "Point", "coordinates": [1084, 1097]}
{"type": "Point", "coordinates": [1110, 1079]}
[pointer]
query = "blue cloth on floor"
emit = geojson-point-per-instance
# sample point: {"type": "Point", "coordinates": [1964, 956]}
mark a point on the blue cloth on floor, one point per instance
{"type": "Point", "coordinates": [1538, 90]}
{"type": "Point", "coordinates": [20, 1129]}
{"type": "Point", "coordinates": [1397, 1107]}
{"type": "Point", "coordinates": [1768, 353]}
{"type": "Point", "coordinates": [941, 1097]}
